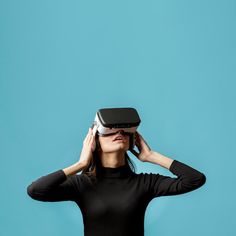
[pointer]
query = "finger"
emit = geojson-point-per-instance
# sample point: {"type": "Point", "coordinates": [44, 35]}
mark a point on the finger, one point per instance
{"type": "Point", "coordinates": [88, 135]}
{"type": "Point", "coordinates": [91, 139]}
{"type": "Point", "coordinates": [91, 143]}
{"type": "Point", "coordinates": [94, 130]}
{"type": "Point", "coordinates": [141, 138]}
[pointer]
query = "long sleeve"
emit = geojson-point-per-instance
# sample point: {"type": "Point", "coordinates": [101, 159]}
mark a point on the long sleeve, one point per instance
{"type": "Point", "coordinates": [53, 187]}
{"type": "Point", "coordinates": [188, 179]}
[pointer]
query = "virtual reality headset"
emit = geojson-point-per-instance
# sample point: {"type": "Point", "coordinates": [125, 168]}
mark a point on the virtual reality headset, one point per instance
{"type": "Point", "coordinates": [109, 121]}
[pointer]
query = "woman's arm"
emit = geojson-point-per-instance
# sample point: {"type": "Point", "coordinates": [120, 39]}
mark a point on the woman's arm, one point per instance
{"type": "Point", "coordinates": [159, 159]}
{"type": "Point", "coordinates": [63, 184]}
{"type": "Point", "coordinates": [188, 178]}
{"type": "Point", "coordinates": [60, 185]}
{"type": "Point", "coordinates": [73, 169]}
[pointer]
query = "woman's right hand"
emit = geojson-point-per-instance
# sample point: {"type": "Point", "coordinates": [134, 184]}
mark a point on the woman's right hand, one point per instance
{"type": "Point", "coordinates": [89, 145]}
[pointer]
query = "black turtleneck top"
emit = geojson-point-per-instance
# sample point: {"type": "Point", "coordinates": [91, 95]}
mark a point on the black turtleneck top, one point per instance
{"type": "Point", "coordinates": [115, 204]}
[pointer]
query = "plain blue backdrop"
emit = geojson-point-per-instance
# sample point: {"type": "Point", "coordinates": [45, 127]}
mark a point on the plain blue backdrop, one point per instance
{"type": "Point", "coordinates": [174, 61]}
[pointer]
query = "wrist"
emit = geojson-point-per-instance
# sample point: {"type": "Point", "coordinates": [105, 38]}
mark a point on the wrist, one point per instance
{"type": "Point", "coordinates": [73, 169]}
{"type": "Point", "coordinates": [148, 156]}
{"type": "Point", "coordinates": [159, 159]}
{"type": "Point", "coordinates": [82, 164]}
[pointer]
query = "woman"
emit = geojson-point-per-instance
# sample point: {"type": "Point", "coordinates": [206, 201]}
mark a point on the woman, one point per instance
{"type": "Point", "coordinates": [111, 196]}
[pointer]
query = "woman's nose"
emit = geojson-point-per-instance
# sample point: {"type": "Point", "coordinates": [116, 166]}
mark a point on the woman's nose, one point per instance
{"type": "Point", "coordinates": [121, 131]}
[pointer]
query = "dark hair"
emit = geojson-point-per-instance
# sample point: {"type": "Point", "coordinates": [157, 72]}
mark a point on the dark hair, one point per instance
{"type": "Point", "coordinates": [95, 163]}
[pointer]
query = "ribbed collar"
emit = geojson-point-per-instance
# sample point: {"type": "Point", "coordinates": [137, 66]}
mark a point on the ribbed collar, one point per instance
{"type": "Point", "coordinates": [115, 172]}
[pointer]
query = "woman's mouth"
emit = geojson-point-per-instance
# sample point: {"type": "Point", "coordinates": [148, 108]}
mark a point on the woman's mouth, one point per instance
{"type": "Point", "coordinates": [119, 140]}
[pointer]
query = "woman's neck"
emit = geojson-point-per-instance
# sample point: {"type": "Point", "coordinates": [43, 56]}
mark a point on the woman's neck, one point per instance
{"type": "Point", "coordinates": [112, 159]}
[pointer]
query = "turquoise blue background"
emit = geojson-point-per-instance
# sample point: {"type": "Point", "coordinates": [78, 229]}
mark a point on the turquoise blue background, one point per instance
{"type": "Point", "coordinates": [174, 61]}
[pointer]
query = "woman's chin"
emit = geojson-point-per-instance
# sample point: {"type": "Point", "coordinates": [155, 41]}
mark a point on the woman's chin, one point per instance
{"type": "Point", "coordinates": [121, 146]}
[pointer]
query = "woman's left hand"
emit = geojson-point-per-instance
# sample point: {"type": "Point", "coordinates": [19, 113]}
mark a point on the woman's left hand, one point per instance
{"type": "Point", "coordinates": [144, 150]}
